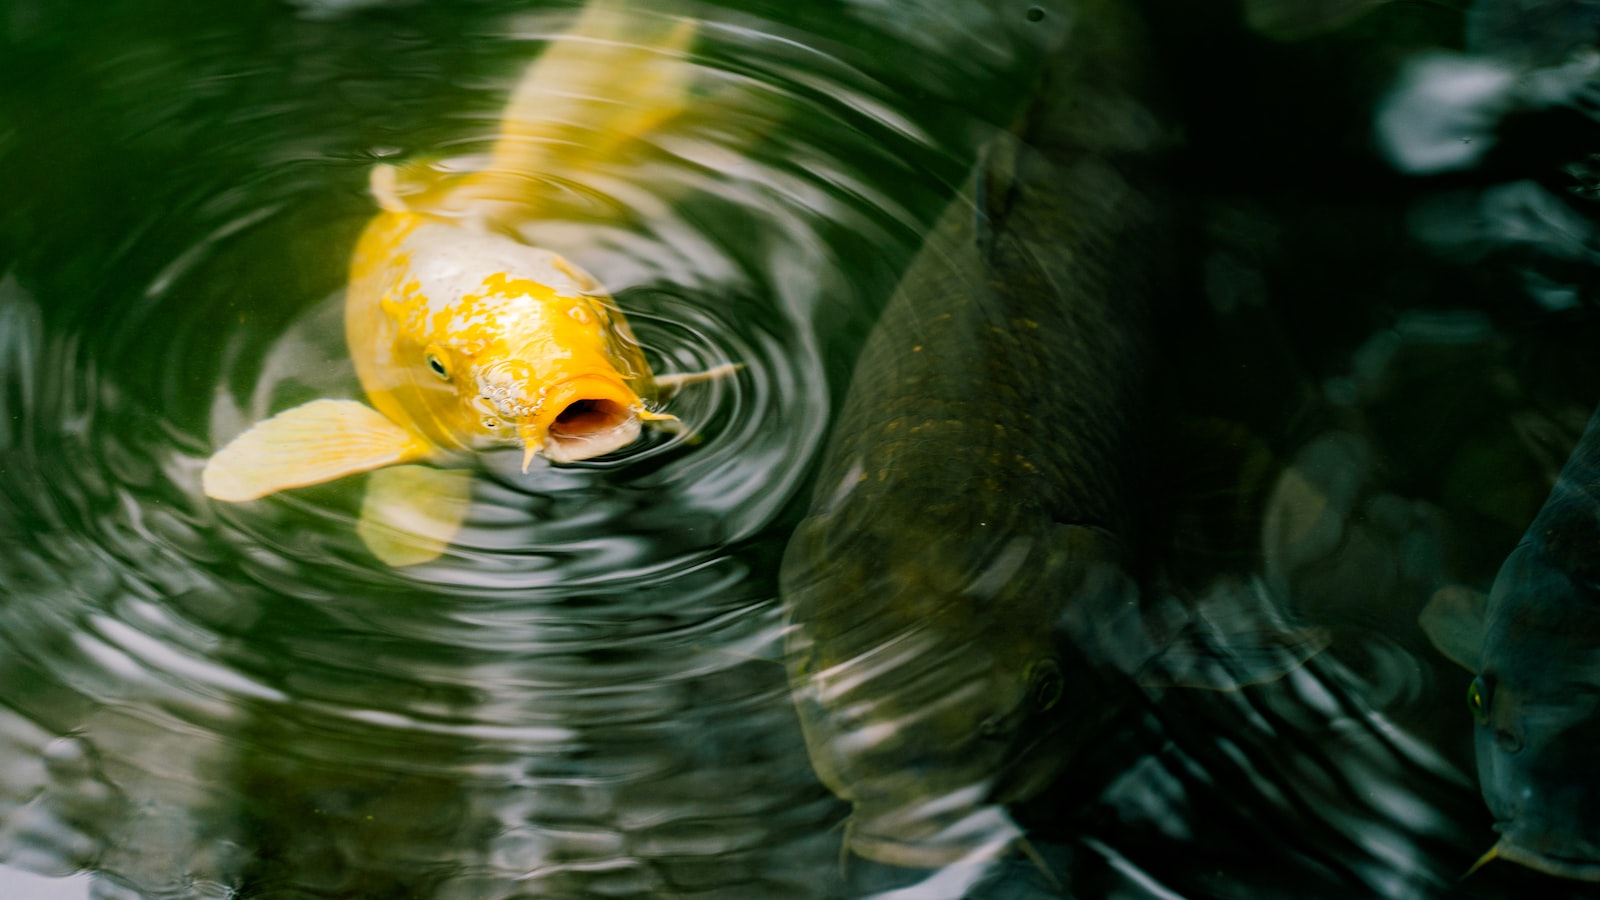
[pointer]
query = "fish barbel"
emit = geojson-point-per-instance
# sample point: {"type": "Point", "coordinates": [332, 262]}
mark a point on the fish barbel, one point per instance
{"type": "Point", "coordinates": [464, 337]}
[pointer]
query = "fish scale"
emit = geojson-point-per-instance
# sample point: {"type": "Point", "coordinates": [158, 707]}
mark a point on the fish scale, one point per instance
{"type": "Point", "coordinates": [1005, 389]}
{"type": "Point", "coordinates": [1034, 412]}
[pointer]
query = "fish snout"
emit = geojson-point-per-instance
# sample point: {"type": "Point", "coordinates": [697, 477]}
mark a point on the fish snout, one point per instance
{"type": "Point", "coordinates": [1537, 774]}
{"type": "Point", "coordinates": [581, 418]}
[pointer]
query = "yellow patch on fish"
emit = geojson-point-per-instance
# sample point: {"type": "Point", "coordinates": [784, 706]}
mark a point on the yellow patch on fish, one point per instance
{"type": "Point", "coordinates": [466, 339]}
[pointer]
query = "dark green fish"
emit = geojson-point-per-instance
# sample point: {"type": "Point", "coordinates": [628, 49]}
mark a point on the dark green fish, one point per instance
{"type": "Point", "coordinates": [1534, 643]}
{"type": "Point", "coordinates": [974, 501]}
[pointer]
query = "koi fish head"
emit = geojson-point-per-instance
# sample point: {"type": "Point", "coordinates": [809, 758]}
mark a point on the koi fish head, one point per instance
{"type": "Point", "coordinates": [465, 338]}
{"type": "Point", "coordinates": [476, 341]}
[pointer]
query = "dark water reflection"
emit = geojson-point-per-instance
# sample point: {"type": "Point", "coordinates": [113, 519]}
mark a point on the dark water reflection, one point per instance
{"type": "Point", "coordinates": [582, 698]}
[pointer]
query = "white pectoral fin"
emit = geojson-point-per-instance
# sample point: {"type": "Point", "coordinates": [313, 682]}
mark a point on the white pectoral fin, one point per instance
{"type": "Point", "coordinates": [309, 444]}
{"type": "Point", "coordinates": [411, 513]}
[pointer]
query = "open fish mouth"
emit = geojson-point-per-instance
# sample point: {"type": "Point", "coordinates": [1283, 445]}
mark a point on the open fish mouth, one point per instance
{"type": "Point", "coordinates": [586, 417]}
{"type": "Point", "coordinates": [590, 427]}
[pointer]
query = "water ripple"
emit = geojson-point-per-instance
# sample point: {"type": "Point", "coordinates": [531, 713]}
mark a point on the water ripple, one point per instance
{"type": "Point", "coordinates": [580, 695]}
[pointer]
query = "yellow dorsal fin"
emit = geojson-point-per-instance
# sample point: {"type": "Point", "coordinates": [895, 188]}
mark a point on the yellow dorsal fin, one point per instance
{"type": "Point", "coordinates": [309, 444]}
{"type": "Point", "coordinates": [613, 79]}
{"type": "Point", "coordinates": [411, 513]}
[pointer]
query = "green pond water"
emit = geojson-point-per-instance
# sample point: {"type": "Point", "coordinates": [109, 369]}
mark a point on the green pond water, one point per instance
{"type": "Point", "coordinates": [1364, 384]}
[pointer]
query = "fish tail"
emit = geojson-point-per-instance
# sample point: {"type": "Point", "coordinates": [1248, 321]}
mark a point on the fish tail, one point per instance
{"type": "Point", "coordinates": [616, 77]}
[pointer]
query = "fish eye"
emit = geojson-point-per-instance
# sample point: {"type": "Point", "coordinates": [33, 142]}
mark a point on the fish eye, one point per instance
{"type": "Point", "coordinates": [1045, 685]}
{"type": "Point", "coordinates": [436, 363]}
{"type": "Point", "coordinates": [1478, 700]}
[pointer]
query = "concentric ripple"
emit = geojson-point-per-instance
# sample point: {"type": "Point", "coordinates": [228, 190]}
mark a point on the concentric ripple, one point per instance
{"type": "Point", "coordinates": [581, 696]}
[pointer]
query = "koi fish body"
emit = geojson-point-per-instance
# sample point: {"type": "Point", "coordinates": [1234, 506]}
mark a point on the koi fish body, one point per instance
{"type": "Point", "coordinates": [464, 337]}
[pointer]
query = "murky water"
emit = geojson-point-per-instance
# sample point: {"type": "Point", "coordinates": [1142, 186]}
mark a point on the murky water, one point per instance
{"type": "Point", "coordinates": [1363, 388]}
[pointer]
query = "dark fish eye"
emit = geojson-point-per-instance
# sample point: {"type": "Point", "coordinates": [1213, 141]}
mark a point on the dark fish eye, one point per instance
{"type": "Point", "coordinates": [1044, 684]}
{"type": "Point", "coordinates": [1478, 700]}
{"type": "Point", "coordinates": [437, 365]}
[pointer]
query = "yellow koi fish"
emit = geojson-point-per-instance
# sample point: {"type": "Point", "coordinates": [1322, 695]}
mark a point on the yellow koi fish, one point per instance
{"type": "Point", "coordinates": [465, 338]}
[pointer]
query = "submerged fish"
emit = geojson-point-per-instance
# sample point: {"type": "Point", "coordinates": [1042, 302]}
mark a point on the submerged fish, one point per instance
{"type": "Point", "coordinates": [1534, 644]}
{"type": "Point", "coordinates": [465, 338]}
{"type": "Point", "coordinates": [961, 614]}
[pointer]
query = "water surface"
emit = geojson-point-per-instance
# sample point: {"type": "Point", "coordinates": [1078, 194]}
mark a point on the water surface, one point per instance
{"type": "Point", "coordinates": [583, 696]}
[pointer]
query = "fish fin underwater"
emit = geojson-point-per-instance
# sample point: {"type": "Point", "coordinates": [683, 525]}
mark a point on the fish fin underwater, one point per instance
{"type": "Point", "coordinates": [1453, 620]}
{"type": "Point", "coordinates": [410, 514]}
{"type": "Point", "coordinates": [568, 110]}
{"type": "Point", "coordinates": [464, 337]}
{"type": "Point", "coordinates": [616, 78]}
